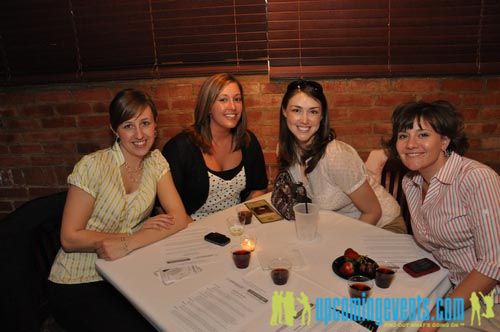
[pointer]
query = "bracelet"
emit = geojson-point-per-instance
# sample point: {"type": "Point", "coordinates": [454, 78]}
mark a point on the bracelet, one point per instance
{"type": "Point", "coordinates": [123, 240]}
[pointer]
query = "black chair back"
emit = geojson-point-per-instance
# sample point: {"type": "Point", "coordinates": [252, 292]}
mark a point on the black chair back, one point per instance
{"type": "Point", "coordinates": [29, 241]}
{"type": "Point", "coordinates": [392, 176]}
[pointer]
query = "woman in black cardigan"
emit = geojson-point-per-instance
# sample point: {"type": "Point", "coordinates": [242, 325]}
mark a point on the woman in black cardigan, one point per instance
{"type": "Point", "coordinates": [217, 162]}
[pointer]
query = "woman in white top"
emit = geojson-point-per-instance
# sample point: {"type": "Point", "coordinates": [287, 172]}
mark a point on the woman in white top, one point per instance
{"type": "Point", "coordinates": [332, 171]}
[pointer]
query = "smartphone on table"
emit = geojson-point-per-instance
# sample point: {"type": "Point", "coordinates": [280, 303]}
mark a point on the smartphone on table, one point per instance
{"type": "Point", "coordinates": [420, 267]}
{"type": "Point", "coordinates": [217, 238]}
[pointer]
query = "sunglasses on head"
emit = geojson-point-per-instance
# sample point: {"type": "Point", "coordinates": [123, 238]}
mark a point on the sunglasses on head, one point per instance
{"type": "Point", "coordinates": [303, 84]}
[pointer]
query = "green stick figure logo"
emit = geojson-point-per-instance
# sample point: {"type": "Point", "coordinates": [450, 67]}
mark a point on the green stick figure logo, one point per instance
{"type": "Point", "coordinates": [476, 307]}
{"type": "Point", "coordinates": [285, 312]}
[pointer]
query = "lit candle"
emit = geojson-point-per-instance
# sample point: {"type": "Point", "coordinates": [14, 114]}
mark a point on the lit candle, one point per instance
{"type": "Point", "coordinates": [248, 242]}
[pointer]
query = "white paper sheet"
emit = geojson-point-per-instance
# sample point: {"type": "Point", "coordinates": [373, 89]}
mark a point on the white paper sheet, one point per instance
{"type": "Point", "coordinates": [389, 248]}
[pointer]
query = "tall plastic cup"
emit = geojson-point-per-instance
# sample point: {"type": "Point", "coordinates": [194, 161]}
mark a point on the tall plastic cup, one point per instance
{"type": "Point", "coordinates": [306, 222]}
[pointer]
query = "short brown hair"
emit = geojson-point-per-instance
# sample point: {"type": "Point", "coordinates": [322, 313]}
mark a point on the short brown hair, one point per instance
{"type": "Point", "coordinates": [441, 115]}
{"type": "Point", "coordinates": [127, 104]}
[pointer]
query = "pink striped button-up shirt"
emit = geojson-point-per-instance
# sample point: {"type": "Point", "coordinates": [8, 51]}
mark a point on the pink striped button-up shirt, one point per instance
{"type": "Point", "coordinates": [459, 219]}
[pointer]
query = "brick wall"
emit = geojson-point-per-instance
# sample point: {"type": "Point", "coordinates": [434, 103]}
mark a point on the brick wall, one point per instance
{"type": "Point", "coordinates": [45, 130]}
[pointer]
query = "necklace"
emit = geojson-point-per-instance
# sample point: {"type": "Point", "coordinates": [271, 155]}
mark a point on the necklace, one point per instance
{"type": "Point", "coordinates": [133, 173]}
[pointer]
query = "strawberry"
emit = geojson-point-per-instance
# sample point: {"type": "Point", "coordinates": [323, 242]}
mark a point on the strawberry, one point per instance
{"type": "Point", "coordinates": [351, 254]}
{"type": "Point", "coordinates": [347, 269]}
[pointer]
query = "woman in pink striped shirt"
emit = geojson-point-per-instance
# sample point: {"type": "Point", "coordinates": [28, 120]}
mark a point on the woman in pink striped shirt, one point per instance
{"type": "Point", "coordinates": [454, 201]}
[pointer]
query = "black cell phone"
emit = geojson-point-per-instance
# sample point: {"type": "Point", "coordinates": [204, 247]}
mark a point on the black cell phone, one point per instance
{"type": "Point", "coordinates": [217, 238]}
{"type": "Point", "coordinates": [420, 267]}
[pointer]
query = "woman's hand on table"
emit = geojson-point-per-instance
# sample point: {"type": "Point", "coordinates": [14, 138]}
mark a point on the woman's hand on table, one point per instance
{"type": "Point", "coordinates": [112, 248]}
{"type": "Point", "coordinates": [161, 221]}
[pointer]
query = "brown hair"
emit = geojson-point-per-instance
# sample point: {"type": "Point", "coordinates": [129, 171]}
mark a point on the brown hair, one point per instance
{"type": "Point", "coordinates": [287, 142]}
{"type": "Point", "coordinates": [127, 104]}
{"type": "Point", "coordinates": [200, 131]}
{"type": "Point", "coordinates": [441, 115]}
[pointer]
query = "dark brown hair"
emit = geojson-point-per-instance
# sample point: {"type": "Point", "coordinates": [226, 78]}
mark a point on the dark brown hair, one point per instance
{"type": "Point", "coordinates": [200, 131]}
{"type": "Point", "coordinates": [441, 115]}
{"type": "Point", "coordinates": [288, 146]}
{"type": "Point", "coordinates": [127, 104]}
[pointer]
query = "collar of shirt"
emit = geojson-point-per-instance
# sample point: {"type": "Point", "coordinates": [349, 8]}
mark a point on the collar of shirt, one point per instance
{"type": "Point", "coordinates": [445, 175]}
{"type": "Point", "coordinates": [118, 154]}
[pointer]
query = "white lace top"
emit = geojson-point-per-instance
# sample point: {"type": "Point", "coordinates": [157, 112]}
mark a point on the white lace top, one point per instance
{"type": "Point", "coordinates": [221, 194]}
{"type": "Point", "coordinates": [339, 173]}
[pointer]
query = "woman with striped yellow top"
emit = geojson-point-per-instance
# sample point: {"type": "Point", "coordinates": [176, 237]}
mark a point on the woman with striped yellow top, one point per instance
{"type": "Point", "coordinates": [110, 198]}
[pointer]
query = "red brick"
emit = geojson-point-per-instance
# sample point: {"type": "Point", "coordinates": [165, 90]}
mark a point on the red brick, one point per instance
{"type": "Point", "coordinates": [51, 160]}
{"type": "Point", "coordinates": [469, 113]}
{"type": "Point", "coordinates": [163, 106]}
{"type": "Point", "coordinates": [369, 85]}
{"type": "Point", "coordinates": [86, 148]}
{"type": "Point", "coordinates": [55, 148]}
{"type": "Point", "coordinates": [93, 121]}
{"type": "Point", "coordinates": [53, 96]}
{"type": "Point", "coordinates": [26, 148]}
{"type": "Point", "coordinates": [35, 192]}
{"type": "Point", "coordinates": [41, 136]}
{"type": "Point", "coordinates": [365, 142]}
{"type": "Point", "coordinates": [7, 112]}
{"type": "Point", "coordinates": [490, 114]}
{"type": "Point", "coordinates": [4, 149]}
{"type": "Point", "coordinates": [21, 123]}
{"type": "Point", "coordinates": [93, 94]}
{"type": "Point", "coordinates": [169, 132]}
{"type": "Point", "coordinates": [462, 84]}
{"type": "Point", "coordinates": [273, 88]}
{"type": "Point", "coordinates": [252, 88]}
{"type": "Point", "coordinates": [188, 104]}
{"type": "Point", "coordinates": [394, 99]}
{"type": "Point", "coordinates": [13, 98]}
{"type": "Point", "coordinates": [73, 109]}
{"type": "Point", "coordinates": [254, 116]}
{"type": "Point", "coordinates": [62, 173]}
{"type": "Point", "coordinates": [352, 100]}
{"type": "Point", "coordinates": [36, 111]}
{"type": "Point", "coordinates": [338, 114]}
{"type": "Point", "coordinates": [493, 83]}
{"type": "Point", "coordinates": [474, 143]}
{"type": "Point", "coordinates": [475, 129]}
{"type": "Point", "coordinates": [174, 90]}
{"type": "Point", "coordinates": [263, 101]}
{"type": "Point", "coordinates": [59, 122]}
{"type": "Point", "coordinates": [480, 99]}
{"type": "Point", "coordinates": [337, 86]}
{"type": "Point", "coordinates": [100, 108]}
{"type": "Point", "coordinates": [382, 128]}
{"type": "Point", "coordinates": [372, 114]}
{"type": "Point", "coordinates": [14, 161]}
{"type": "Point", "coordinates": [453, 98]}
{"type": "Point", "coordinates": [491, 143]}
{"type": "Point", "coordinates": [416, 85]}
{"type": "Point", "coordinates": [39, 176]}
{"type": "Point", "coordinates": [12, 193]}
{"type": "Point", "coordinates": [485, 157]}
{"type": "Point", "coordinates": [349, 129]}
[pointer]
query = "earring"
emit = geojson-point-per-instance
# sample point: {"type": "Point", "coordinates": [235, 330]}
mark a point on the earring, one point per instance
{"type": "Point", "coordinates": [117, 139]}
{"type": "Point", "coordinates": [156, 132]}
{"type": "Point", "coordinates": [447, 153]}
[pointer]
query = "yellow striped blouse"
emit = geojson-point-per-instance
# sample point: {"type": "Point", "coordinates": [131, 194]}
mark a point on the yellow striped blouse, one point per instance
{"type": "Point", "coordinates": [114, 211]}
